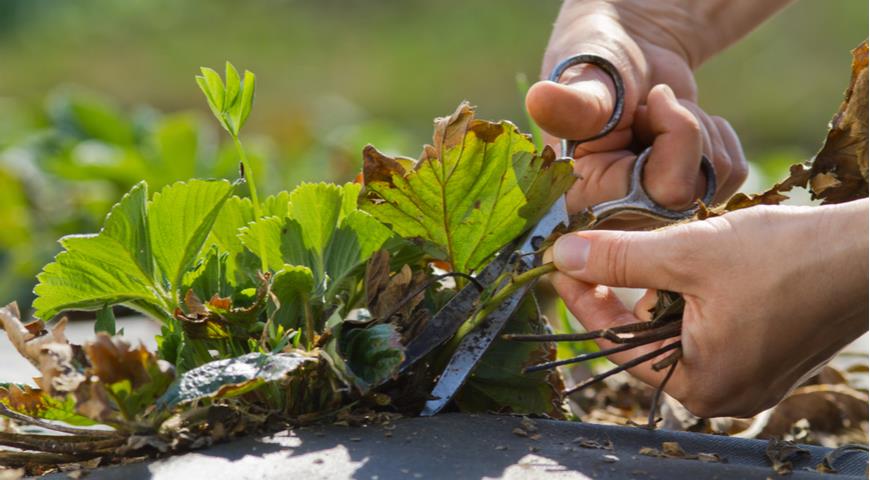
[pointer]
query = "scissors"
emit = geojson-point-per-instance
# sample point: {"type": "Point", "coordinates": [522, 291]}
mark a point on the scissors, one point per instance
{"type": "Point", "coordinates": [522, 255]}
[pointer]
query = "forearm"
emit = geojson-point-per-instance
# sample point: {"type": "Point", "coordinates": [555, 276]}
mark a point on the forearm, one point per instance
{"type": "Point", "coordinates": [696, 28]}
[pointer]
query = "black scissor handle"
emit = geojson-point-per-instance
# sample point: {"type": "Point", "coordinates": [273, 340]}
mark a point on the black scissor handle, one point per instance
{"type": "Point", "coordinates": [568, 146]}
{"type": "Point", "coordinates": [639, 201]}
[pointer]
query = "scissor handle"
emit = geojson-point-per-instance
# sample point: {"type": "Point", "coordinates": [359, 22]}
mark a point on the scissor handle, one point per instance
{"type": "Point", "coordinates": [639, 201]}
{"type": "Point", "coordinates": [568, 146]}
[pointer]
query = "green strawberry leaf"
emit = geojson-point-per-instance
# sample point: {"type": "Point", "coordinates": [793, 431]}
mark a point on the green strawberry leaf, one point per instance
{"type": "Point", "coordinates": [374, 353]}
{"type": "Point", "coordinates": [292, 287]}
{"type": "Point", "coordinates": [479, 186]}
{"type": "Point", "coordinates": [322, 230]}
{"type": "Point", "coordinates": [209, 275]}
{"type": "Point", "coordinates": [111, 267]}
{"type": "Point", "coordinates": [105, 321]}
{"type": "Point", "coordinates": [117, 265]}
{"type": "Point", "coordinates": [234, 84]}
{"type": "Point", "coordinates": [184, 213]}
{"type": "Point", "coordinates": [237, 212]}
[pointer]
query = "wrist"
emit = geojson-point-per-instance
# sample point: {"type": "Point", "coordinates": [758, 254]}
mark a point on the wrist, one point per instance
{"type": "Point", "coordinates": [694, 30]}
{"type": "Point", "coordinates": [845, 230]}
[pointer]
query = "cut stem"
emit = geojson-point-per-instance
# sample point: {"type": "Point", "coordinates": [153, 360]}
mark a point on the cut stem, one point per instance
{"type": "Point", "coordinates": [640, 341]}
{"type": "Point", "coordinates": [625, 366]}
{"type": "Point", "coordinates": [671, 361]}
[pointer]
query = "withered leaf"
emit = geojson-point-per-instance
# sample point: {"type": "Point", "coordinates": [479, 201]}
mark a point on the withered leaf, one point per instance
{"type": "Point", "coordinates": [840, 168]}
{"type": "Point", "coordinates": [30, 338]}
{"type": "Point", "coordinates": [49, 351]}
{"type": "Point", "coordinates": [584, 442]}
{"type": "Point", "coordinates": [781, 452]}
{"type": "Point", "coordinates": [830, 460]}
{"type": "Point", "coordinates": [828, 408]}
{"type": "Point", "coordinates": [219, 318]}
{"type": "Point", "coordinates": [129, 380]}
{"type": "Point", "coordinates": [674, 450]}
{"type": "Point", "coordinates": [114, 360]}
{"type": "Point", "coordinates": [396, 298]}
{"type": "Point", "coordinates": [377, 276]}
{"type": "Point", "coordinates": [36, 403]}
{"type": "Point", "coordinates": [838, 172]}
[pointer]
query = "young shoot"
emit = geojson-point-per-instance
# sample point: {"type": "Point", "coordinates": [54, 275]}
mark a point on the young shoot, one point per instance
{"type": "Point", "coordinates": [231, 104]}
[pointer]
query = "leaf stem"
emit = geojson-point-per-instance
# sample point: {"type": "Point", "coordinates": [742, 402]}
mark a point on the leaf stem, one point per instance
{"type": "Point", "coordinates": [490, 305]}
{"type": "Point", "coordinates": [255, 200]}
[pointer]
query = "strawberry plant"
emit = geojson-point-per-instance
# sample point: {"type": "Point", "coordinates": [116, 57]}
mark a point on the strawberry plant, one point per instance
{"type": "Point", "coordinates": [293, 307]}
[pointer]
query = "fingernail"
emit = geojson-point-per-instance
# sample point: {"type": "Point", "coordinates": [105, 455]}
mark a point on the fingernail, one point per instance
{"type": "Point", "coordinates": [570, 253]}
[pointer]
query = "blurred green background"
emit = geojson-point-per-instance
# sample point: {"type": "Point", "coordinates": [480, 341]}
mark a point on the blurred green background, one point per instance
{"type": "Point", "coordinates": [96, 95]}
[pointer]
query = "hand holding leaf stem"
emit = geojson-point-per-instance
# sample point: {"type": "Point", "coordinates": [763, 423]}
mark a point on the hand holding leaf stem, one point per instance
{"type": "Point", "coordinates": [770, 294]}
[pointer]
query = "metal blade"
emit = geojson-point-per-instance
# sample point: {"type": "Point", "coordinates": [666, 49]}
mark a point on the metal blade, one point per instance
{"type": "Point", "coordinates": [470, 350]}
{"type": "Point", "coordinates": [476, 343]}
{"type": "Point", "coordinates": [556, 215]}
{"type": "Point", "coordinates": [447, 321]}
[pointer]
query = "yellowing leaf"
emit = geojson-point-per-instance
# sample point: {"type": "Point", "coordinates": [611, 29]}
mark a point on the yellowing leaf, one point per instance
{"type": "Point", "coordinates": [477, 187]}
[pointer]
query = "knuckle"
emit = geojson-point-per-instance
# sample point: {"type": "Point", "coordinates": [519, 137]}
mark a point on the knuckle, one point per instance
{"type": "Point", "coordinates": [615, 255]}
{"type": "Point", "coordinates": [723, 167]}
{"type": "Point", "coordinates": [690, 125]}
{"type": "Point", "coordinates": [673, 194]}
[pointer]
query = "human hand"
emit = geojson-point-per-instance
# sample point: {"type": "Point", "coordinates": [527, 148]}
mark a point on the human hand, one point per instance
{"type": "Point", "coordinates": [654, 45]}
{"type": "Point", "coordinates": [770, 294]}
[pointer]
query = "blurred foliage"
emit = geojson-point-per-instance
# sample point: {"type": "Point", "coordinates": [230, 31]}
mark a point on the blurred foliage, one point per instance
{"type": "Point", "coordinates": [341, 74]}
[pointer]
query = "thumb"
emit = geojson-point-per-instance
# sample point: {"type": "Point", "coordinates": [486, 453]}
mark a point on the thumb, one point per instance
{"type": "Point", "coordinates": [576, 109]}
{"type": "Point", "coordinates": [621, 259]}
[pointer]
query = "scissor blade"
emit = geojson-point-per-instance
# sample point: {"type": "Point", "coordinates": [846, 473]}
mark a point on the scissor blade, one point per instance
{"type": "Point", "coordinates": [556, 215]}
{"type": "Point", "coordinates": [470, 350]}
{"type": "Point", "coordinates": [476, 343]}
{"type": "Point", "coordinates": [447, 321]}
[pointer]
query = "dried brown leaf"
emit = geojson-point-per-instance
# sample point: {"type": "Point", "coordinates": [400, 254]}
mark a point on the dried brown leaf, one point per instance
{"type": "Point", "coordinates": [26, 400]}
{"type": "Point", "coordinates": [377, 276]}
{"type": "Point", "coordinates": [673, 449]}
{"type": "Point", "coordinates": [528, 424]}
{"type": "Point", "coordinates": [828, 408]}
{"type": "Point", "coordinates": [840, 168]}
{"type": "Point", "coordinates": [781, 452]}
{"type": "Point", "coordinates": [114, 360]}
{"type": "Point", "coordinates": [838, 172]}
{"type": "Point", "coordinates": [584, 442]}
{"type": "Point", "coordinates": [29, 339]}
{"type": "Point", "coordinates": [218, 318]}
